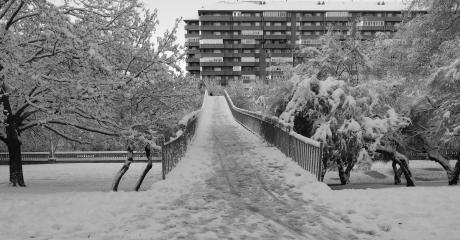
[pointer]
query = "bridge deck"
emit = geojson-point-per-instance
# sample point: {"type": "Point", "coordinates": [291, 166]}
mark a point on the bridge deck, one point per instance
{"type": "Point", "coordinates": [238, 187]}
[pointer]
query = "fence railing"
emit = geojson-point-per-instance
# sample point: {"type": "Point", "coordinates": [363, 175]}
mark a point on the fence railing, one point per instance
{"type": "Point", "coordinates": [80, 156]}
{"type": "Point", "coordinates": [173, 150]}
{"type": "Point", "coordinates": [450, 154]}
{"type": "Point", "coordinates": [305, 151]}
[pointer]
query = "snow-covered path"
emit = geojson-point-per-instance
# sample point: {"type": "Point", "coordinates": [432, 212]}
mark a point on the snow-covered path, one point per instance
{"type": "Point", "coordinates": [232, 185]}
{"type": "Point", "coordinates": [244, 190]}
{"type": "Point", "coordinates": [244, 173]}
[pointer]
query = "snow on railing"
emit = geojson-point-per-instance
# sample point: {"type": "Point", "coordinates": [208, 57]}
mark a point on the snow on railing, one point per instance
{"type": "Point", "coordinates": [305, 151]}
{"type": "Point", "coordinates": [173, 150]}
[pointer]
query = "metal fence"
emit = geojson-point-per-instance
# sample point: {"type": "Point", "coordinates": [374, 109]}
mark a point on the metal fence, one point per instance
{"type": "Point", "coordinates": [306, 152]}
{"type": "Point", "coordinates": [79, 157]}
{"type": "Point", "coordinates": [174, 150]}
{"type": "Point", "coordinates": [447, 153]}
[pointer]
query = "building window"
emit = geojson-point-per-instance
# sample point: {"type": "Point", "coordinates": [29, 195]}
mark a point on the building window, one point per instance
{"type": "Point", "coordinates": [257, 23]}
{"type": "Point", "coordinates": [318, 23]}
{"type": "Point", "coordinates": [288, 24]}
{"type": "Point", "coordinates": [267, 23]}
{"type": "Point", "coordinates": [236, 14]}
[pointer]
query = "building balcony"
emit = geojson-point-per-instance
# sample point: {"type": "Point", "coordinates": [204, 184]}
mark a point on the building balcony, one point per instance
{"type": "Point", "coordinates": [310, 19]}
{"type": "Point", "coordinates": [212, 46]}
{"type": "Point", "coordinates": [192, 27]}
{"type": "Point", "coordinates": [283, 36]}
{"type": "Point", "coordinates": [192, 51]}
{"type": "Point", "coordinates": [214, 36]}
{"type": "Point", "coordinates": [370, 28]}
{"type": "Point", "coordinates": [276, 28]}
{"type": "Point", "coordinates": [249, 46]}
{"type": "Point", "coordinates": [311, 28]}
{"type": "Point", "coordinates": [215, 18]}
{"type": "Point", "coordinates": [220, 64]}
{"type": "Point", "coordinates": [339, 28]}
{"type": "Point", "coordinates": [191, 60]}
{"type": "Point", "coordinates": [192, 44]}
{"type": "Point", "coordinates": [247, 36]}
{"type": "Point", "coordinates": [256, 55]}
{"type": "Point", "coordinates": [250, 72]}
{"type": "Point", "coordinates": [393, 19]}
{"type": "Point", "coordinates": [215, 28]}
{"type": "Point", "coordinates": [192, 35]}
{"type": "Point", "coordinates": [280, 55]}
{"type": "Point", "coordinates": [247, 28]}
{"type": "Point", "coordinates": [276, 19]}
{"type": "Point", "coordinates": [217, 73]}
{"type": "Point", "coordinates": [204, 54]}
{"type": "Point", "coordinates": [247, 19]}
{"type": "Point", "coordinates": [367, 18]}
{"type": "Point", "coordinates": [277, 45]}
{"type": "Point", "coordinates": [338, 19]}
{"type": "Point", "coordinates": [249, 64]}
{"type": "Point", "coordinates": [192, 68]}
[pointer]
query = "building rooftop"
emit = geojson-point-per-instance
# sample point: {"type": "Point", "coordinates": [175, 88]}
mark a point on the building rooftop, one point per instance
{"type": "Point", "coordinates": [313, 5]}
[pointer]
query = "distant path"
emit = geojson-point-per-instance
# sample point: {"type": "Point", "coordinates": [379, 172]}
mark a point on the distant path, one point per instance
{"type": "Point", "coordinates": [242, 192]}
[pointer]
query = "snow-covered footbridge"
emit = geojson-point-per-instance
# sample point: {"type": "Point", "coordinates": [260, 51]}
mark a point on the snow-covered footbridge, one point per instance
{"type": "Point", "coordinates": [238, 187]}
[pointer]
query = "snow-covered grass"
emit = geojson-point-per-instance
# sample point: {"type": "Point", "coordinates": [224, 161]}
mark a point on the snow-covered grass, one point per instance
{"type": "Point", "coordinates": [78, 177]}
{"type": "Point", "coordinates": [380, 175]}
{"type": "Point", "coordinates": [204, 198]}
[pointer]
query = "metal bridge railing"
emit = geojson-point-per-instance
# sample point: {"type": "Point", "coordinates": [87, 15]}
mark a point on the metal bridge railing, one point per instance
{"type": "Point", "coordinates": [305, 151]}
{"type": "Point", "coordinates": [174, 150]}
{"type": "Point", "coordinates": [78, 157]}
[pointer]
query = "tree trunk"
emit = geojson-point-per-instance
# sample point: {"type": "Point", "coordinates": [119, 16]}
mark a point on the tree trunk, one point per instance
{"type": "Point", "coordinates": [456, 173]}
{"type": "Point", "coordinates": [434, 155]}
{"type": "Point", "coordinates": [401, 160]}
{"type": "Point", "coordinates": [404, 165]}
{"type": "Point", "coordinates": [397, 172]}
{"type": "Point", "coordinates": [123, 170]}
{"type": "Point", "coordinates": [14, 150]}
{"type": "Point", "coordinates": [147, 168]}
{"type": "Point", "coordinates": [344, 173]}
{"type": "Point", "coordinates": [12, 138]}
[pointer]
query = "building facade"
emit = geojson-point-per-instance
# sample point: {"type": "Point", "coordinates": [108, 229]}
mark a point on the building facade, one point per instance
{"type": "Point", "coordinates": [247, 40]}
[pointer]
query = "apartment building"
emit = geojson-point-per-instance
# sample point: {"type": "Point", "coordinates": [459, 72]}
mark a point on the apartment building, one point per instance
{"type": "Point", "coordinates": [248, 40]}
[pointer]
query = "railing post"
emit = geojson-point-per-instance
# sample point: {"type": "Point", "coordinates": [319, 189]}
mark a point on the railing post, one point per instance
{"type": "Point", "coordinates": [163, 160]}
{"type": "Point", "coordinates": [320, 162]}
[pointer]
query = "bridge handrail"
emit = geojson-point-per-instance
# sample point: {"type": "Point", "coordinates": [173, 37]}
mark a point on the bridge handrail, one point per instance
{"type": "Point", "coordinates": [305, 151]}
{"type": "Point", "coordinates": [173, 150]}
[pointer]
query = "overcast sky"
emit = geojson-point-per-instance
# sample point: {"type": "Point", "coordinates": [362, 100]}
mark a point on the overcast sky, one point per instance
{"type": "Point", "coordinates": [169, 10]}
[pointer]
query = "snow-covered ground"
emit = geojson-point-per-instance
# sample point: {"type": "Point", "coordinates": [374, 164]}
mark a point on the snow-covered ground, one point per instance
{"type": "Point", "coordinates": [380, 175]}
{"type": "Point", "coordinates": [78, 177]}
{"type": "Point", "coordinates": [230, 185]}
